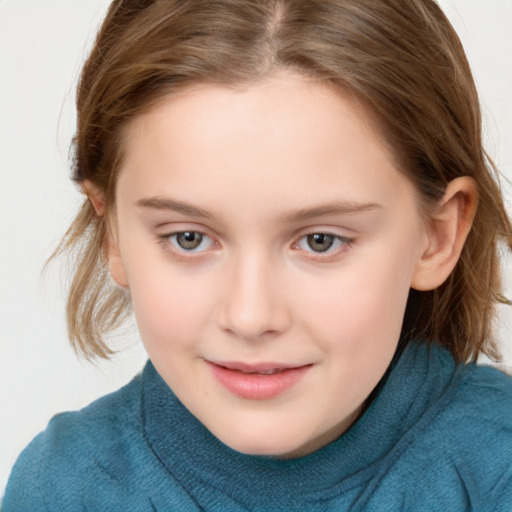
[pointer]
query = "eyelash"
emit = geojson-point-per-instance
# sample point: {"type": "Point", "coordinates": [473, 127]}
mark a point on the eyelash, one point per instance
{"type": "Point", "coordinates": [340, 243]}
{"type": "Point", "coordinates": [170, 245]}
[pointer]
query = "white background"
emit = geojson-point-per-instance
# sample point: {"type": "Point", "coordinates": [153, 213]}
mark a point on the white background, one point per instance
{"type": "Point", "coordinates": [42, 44]}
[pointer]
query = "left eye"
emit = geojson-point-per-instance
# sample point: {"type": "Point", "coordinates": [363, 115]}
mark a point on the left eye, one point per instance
{"type": "Point", "coordinates": [190, 241]}
{"type": "Point", "coordinates": [321, 242]}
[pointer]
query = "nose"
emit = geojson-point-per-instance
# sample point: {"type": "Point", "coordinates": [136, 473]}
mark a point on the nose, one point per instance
{"type": "Point", "coordinates": [254, 305]}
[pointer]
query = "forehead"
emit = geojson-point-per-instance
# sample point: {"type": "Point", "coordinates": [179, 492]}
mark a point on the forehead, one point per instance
{"type": "Point", "coordinates": [286, 138]}
{"type": "Point", "coordinates": [284, 103]}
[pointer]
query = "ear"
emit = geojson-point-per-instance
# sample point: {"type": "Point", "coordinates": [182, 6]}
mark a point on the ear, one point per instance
{"type": "Point", "coordinates": [446, 232]}
{"type": "Point", "coordinates": [115, 263]}
{"type": "Point", "coordinates": [95, 195]}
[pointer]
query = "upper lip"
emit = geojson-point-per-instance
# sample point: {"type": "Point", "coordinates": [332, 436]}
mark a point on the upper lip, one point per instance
{"type": "Point", "coordinates": [256, 367]}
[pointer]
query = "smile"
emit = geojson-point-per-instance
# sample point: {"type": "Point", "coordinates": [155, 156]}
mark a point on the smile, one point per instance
{"type": "Point", "coordinates": [257, 382]}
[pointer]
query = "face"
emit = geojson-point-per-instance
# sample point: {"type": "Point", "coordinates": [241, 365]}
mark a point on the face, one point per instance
{"type": "Point", "coordinates": [269, 244]}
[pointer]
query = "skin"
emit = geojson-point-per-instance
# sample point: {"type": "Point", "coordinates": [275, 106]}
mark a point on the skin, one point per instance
{"type": "Point", "coordinates": [257, 170]}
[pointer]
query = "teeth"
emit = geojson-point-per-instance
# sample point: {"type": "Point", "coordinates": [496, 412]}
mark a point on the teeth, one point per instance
{"type": "Point", "coordinates": [272, 371]}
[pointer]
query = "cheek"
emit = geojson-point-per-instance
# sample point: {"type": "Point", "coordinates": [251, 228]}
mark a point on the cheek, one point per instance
{"type": "Point", "coordinates": [360, 308]}
{"type": "Point", "coordinates": [168, 304]}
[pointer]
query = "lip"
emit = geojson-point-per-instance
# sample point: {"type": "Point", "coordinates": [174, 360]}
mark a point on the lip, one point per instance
{"type": "Point", "coordinates": [257, 381]}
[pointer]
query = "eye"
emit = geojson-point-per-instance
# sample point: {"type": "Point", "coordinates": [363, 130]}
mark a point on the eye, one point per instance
{"type": "Point", "coordinates": [188, 241]}
{"type": "Point", "coordinates": [322, 243]}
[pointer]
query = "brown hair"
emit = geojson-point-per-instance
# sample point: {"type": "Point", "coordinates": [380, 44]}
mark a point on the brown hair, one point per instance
{"type": "Point", "coordinates": [402, 58]}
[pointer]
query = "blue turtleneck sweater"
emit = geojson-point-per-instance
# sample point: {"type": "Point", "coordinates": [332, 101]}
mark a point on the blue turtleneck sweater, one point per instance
{"type": "Point", "coordinates": [437, 437]}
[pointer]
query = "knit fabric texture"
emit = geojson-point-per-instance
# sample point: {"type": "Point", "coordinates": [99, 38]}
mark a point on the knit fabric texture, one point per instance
{"type": "Point", "coordinates": [437, 437]}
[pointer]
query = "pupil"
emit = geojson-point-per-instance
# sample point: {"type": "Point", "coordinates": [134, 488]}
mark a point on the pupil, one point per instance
{"type": "Point", "coordinates": [189, 239]}
{"type": "Point", "coordinates": [320, 242]}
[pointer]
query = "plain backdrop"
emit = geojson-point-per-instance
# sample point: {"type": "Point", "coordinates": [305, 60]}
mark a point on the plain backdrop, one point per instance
{"type": "Point", "coordinates": [42, 45]}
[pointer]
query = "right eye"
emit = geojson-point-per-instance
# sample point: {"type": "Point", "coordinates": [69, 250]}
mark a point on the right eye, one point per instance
{"type": "Point", "coordinates": [188, 241]}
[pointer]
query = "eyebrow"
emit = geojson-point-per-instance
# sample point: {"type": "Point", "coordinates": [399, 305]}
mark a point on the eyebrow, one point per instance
{"type": "Point", "coordinates": [303, 214]}
{"type": "Point", "coordinates": [159, 203]}
{"type": "Point", "coordinates": [334, 208]}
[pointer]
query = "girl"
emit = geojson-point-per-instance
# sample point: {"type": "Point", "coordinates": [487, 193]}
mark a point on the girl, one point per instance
{"type": "Point", "coordinates": [293, 198]}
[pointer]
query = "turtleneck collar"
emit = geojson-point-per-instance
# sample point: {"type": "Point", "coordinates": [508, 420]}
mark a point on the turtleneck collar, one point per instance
{"type": "Point", "coordinates": [416, 379]}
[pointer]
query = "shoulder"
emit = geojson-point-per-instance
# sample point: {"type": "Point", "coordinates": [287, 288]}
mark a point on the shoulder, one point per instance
{"type": "Point", "coordinates": [77, 449]}
{"type": "Point", "coordinates": [482, 406]}
{"type": "Point", "coordinates": [473, 434]}
{"type": "Point", "coordinates": [457, 455]}
{"type": "Point", "coordinates": [482, 400]}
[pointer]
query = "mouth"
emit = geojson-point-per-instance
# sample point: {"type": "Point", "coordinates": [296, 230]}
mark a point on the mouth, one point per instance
{"type": "Point", "coordinates": [257, 382]}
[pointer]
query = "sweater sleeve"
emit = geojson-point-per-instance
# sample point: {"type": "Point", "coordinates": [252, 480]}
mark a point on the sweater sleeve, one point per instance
{"type": "Point", "coordinates": [60, 470]}
{"type": "Point", "coordinates": [82, 460]}
{"type": "Point", "coordinates": [23, 492]}
{"type": "Point", "coordinates": [481, 428]}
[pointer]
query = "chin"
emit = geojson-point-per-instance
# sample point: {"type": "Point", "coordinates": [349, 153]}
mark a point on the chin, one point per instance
{"type": "Point", "coordinates": [278, 452]}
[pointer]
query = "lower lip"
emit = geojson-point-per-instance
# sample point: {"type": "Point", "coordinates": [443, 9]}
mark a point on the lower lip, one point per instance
{"type": "Point", "coordinates": [257, 386]}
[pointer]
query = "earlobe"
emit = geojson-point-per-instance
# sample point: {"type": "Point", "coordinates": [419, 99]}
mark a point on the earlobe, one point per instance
{"type": "Point", "coordinates": [446, 233]}
{"type": "Point", "coordinates": [116, 265]}
{"type": "Point", "coordinates": [115, 262]}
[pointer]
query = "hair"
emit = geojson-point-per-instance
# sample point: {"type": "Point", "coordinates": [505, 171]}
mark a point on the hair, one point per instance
{"type": "Point", "coordinates": [401, 58]}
